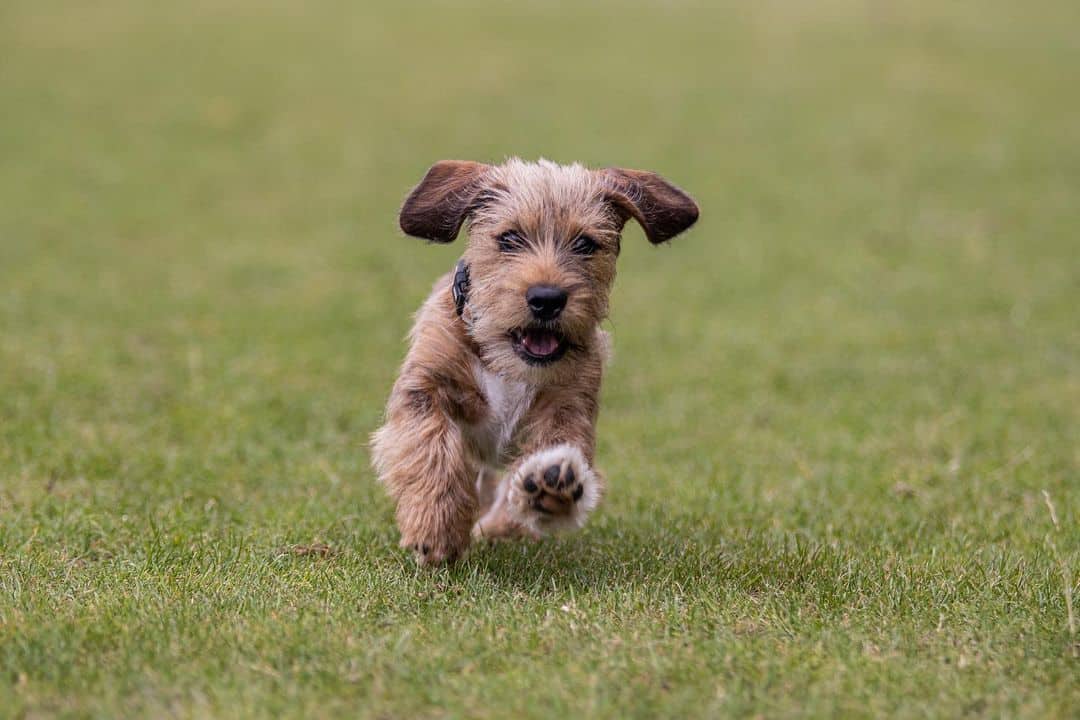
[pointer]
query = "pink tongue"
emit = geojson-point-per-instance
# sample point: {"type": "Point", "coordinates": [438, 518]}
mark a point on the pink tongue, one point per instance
{"type": "Point", "coordinates": [540, 343]}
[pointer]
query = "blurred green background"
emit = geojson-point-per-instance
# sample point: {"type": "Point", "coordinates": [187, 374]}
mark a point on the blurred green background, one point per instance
{"type": "Point", "coordinates": [834, 407]}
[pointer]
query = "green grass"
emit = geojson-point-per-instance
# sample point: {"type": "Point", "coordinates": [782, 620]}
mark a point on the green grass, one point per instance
{"type": "Point", "coordinates": [833, 411]}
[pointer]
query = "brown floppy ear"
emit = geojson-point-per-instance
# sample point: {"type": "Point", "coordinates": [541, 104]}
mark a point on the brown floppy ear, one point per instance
{"type": "Point", "coordinates": [662, 210]}
{"type": "Point", "coordinates": [437, 207]}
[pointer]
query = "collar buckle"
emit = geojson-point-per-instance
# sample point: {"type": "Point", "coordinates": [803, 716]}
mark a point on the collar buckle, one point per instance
{"type": "Point", "coordinates": [459, 288]}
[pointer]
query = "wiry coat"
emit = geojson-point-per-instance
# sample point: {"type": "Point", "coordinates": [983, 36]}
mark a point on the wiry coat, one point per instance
{"type": "Point", "coordinates": [469, 399]}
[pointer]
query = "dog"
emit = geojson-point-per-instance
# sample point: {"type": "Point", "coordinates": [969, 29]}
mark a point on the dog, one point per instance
{"type": "Point", "coordinates": [506, 354]}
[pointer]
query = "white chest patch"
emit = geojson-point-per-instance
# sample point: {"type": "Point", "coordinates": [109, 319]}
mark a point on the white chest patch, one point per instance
{"type": "Point", "coordinates": [507, 401]}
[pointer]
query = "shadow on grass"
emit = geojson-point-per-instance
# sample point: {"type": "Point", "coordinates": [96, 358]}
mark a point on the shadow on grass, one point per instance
{"type": "Point", "coordinates": [690, 552]}
{"type": "Point", "coordinates": [607, 555]}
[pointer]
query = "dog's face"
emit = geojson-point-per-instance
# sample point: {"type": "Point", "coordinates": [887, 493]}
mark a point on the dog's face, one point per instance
{"type": "Point", "coordinates": [543, 240]}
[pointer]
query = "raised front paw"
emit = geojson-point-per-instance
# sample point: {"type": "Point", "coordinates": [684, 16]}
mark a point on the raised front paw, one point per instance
{"type": "Point", "coordinates": [554, 489]}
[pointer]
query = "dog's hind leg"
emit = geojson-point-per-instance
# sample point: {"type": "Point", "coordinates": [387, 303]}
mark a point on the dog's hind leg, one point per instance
{"type": "Point", "coordinates": [497, 520]}
{"type": "Point", "coordinates": [487, 487]}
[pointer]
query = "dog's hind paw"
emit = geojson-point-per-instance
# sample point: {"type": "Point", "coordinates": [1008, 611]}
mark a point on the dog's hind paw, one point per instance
{"type": "Point", "coordinates": [554, 489]}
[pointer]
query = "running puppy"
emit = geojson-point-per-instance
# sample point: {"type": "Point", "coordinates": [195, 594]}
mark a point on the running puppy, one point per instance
{"type": "Point", "coordinates": [506, 354]}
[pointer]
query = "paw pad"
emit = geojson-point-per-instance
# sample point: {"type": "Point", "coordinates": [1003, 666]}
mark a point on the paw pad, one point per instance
{"type": "Point", "coordinates": [555, 491]}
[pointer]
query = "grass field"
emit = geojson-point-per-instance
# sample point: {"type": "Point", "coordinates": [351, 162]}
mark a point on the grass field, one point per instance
{"type": "Point", "coordinates": [834, 408]}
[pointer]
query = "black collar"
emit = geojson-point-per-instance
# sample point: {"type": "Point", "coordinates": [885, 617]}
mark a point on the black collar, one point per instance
{"type": "Point", "coordinates": [459, 288]}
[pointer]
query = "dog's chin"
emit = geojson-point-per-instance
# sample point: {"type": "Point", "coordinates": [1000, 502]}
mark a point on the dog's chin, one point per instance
{"type": "Point", "coordinates": [538, 346]}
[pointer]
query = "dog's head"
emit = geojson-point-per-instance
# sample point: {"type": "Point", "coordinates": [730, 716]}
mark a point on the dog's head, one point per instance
{"type": "Point", "coordinates": [543, 239]}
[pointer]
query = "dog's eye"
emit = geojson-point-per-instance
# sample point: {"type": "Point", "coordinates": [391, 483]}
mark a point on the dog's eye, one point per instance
{"type": "Point", "coordinates": [584, 245]}
{"type": "Point", "coordinates": [511, 241]}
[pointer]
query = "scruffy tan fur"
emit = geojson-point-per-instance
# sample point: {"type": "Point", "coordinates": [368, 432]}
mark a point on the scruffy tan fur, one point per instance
{"type": "Point", "coordinates": [467, 402]}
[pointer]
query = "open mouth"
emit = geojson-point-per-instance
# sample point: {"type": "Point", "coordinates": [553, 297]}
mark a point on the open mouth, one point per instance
{"type": "Point", "coordinates": [538, 346]}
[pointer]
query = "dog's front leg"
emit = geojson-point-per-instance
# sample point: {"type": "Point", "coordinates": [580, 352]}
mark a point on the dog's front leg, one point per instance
{"type": "Point", "coordinates": [423, 459]}
{"type": "Point", "coordinates": [552, 486]}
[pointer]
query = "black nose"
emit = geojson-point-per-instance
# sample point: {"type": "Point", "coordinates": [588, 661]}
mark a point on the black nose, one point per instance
{"type": "Point", "coordinates": [545, 301]}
